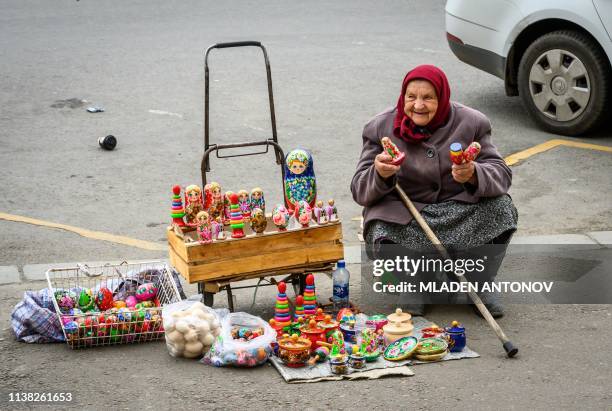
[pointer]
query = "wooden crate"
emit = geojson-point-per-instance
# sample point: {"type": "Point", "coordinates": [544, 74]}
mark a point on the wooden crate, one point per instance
{"type": "Point", "coordinates": [273, 252]}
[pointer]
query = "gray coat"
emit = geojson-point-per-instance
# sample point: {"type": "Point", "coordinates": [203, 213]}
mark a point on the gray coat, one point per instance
{"type": "Point", "coordinates": [425, 174]}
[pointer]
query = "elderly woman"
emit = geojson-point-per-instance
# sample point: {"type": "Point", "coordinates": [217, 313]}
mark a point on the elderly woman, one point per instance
{"type": "Point", "coordinates": [465, 205]}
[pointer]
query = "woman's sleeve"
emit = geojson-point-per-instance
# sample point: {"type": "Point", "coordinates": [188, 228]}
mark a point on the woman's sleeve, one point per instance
{"type": "Point", "coordinates": [493, 174]}
{"type": "Point", "coordinates": [367, 186]}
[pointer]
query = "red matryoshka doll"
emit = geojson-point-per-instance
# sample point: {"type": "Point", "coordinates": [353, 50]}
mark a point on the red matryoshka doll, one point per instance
{"type": "Point", "coordinates": [216, 200]}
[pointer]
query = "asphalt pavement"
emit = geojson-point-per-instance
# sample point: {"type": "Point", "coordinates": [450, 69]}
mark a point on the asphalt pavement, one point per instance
{"type": "Point", "coordinates": [334, 66]}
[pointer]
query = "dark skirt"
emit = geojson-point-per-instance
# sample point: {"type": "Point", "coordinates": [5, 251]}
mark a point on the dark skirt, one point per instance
{"type": "Point", "coordinates": [454, 223]}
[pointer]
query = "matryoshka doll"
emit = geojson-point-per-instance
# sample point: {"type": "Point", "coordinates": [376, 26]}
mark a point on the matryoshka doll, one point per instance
{"type": "Point", "coordinates": [218, 229]}
{"type": "Point", "coordinates": [300, 182]}
{"type": "Point", "coordinates": [204, 227]}
{"type": "Point", "coordinates": [245, 204]}
{"type": "Point", "coordinates": [257, 199]}
{"type": "Point", "coordinates": [216, 205]}
{"type": "Point", "coordinates": [193, 203]}
{"type": "Point", "coordinates": [280, 217]}
{"type": "Point", "coordinates": [331, 210]}
{"type": "Point", "coordinates": [226, 207]}
{"type": "Point", "coordinates": [320, 215]}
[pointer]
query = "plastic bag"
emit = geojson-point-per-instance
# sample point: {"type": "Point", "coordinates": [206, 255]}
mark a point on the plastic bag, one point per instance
{"type": "Point", "coordinates": [191, 328]}
{"type": "Point", "coordinates": [228, 351]}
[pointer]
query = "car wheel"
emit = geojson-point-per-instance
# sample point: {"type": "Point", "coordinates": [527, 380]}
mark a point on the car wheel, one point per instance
{"type": "Point", "coordinates": [564, 81]}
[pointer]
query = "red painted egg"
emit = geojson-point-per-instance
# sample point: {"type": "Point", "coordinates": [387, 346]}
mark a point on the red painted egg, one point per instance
{"type": "Point", "coordinates": [104, 299]}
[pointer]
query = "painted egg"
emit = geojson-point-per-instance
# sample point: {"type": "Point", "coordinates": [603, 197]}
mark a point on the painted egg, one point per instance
{"type": "Point", "coordinates": [66, 319]}
{"type": "Point", "coordinates": [131, 301]}
{"type": "Point", "coordinates": [119, 304]}
{"type": "Point", "coordinates": [86, 300]}
{"type": "Point", "coordinates": [104, 299]}
{"type": "Point", "coordinates": [144, 304]}
{"type": "Point", "coordinates": [66, 300]}
{"type": "Point", "coordinates": [146, 292]}
{"type": "Point", "coordinates": [280, 216]}
{"type": "Point", "coordinates": [124, 314]}
{"type": "Point", "coordinates": [71, 327]}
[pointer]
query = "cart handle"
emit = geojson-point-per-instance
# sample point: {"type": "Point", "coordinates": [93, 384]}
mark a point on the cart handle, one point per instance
{"type": "Point", "coordinates": [205, 165]}
{"type": "Point", "coordinates": [207, 145]}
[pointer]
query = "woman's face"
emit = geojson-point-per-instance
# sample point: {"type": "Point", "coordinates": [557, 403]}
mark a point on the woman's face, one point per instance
{"type": "Point", "coordinates": [420, 102]}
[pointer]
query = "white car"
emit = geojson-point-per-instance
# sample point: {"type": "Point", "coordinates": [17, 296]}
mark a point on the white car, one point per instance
{"type": "Point", "coordinates": [555, 54]}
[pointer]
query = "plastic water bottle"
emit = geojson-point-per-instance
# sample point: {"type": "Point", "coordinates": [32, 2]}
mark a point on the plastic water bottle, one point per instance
{"type": "Point", "coordinates": [340, 278]}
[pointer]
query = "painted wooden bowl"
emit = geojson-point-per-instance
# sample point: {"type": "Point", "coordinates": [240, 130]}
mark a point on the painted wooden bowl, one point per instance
{"type": "Point", "coordinates": [294, 351]}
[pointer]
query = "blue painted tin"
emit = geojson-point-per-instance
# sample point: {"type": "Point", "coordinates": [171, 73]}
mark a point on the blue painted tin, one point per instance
{"type": "Point", "coordinates": [456, 337]}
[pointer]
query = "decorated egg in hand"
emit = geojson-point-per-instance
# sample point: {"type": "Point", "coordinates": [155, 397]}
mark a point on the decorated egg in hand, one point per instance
{"type": "Point", "coordinates": [131, 301]}
{"type": "Point", "coordinates": [146, 292]}
{"type": "Point", "coordinates": [66, 300]}
{"type": "Point", "coordinates": [104, 299]}
{"type": "Point", "coordinates": [86, 300]}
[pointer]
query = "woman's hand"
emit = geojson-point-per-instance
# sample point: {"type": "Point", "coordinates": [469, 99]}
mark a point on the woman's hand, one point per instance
{"type": "Point", "coordinates": [383, 166]}
{"type": "Point", "coordinates": [465, 173]}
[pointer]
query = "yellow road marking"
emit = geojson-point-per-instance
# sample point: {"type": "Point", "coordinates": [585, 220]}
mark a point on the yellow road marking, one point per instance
{"type": "Point", "coordinates": [95, 235]}
{"type": "Point", "coordinates": [515, 158]}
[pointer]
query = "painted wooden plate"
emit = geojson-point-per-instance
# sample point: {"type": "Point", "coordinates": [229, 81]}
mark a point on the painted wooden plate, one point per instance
{"type": "Point", "coordinates": [429, 346]}
{"type": "Point", "coordinates": [401, 349]}
{"type": "Point", "coordinates": [431, 357]}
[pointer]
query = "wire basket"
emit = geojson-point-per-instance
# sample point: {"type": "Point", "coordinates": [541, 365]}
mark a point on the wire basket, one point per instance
{"type": "Point", "coordinates": [89, 302]}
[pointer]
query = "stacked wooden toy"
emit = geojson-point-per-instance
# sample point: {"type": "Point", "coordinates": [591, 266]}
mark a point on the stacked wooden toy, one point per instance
{"type": "Point", "coordinates": [236, 221]}
{"type": "Point", "coordinates": [282, 317]}
{"type": "Point", "coordinates": [299, 307]}
{"type": "Point", "coordinates": [177, 212]}
{"type": "Point", "coordinates": [310, 297]}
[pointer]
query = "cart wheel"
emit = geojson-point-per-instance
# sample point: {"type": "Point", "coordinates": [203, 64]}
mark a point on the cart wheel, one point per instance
{"type": "Point", "coordinates": [208, 298]}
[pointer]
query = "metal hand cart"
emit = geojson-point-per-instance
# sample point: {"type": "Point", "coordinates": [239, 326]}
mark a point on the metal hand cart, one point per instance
{"type": "Point", "coordinates": [293, 253]}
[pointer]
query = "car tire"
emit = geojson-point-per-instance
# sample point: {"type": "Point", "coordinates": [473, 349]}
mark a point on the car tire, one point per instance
{"type": "Point", "coordinates": [569, 94]}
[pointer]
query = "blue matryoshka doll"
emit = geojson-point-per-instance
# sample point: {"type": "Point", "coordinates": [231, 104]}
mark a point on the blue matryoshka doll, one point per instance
{"type": "Point", "coordinates": [300, 182]}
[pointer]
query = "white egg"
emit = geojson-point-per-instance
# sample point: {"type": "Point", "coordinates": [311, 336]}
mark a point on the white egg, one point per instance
{"type": "Point", "coordinates": [191, 336]}
{"type": "Point", "coordinates": [208, 339]}
{"type": "Point", "coordinates": [175, 337]}
{"type": "Point", "coordinates": [203, 327]}
{"type": "Point", "coordinates": [182, 326]}
{"type": "Point", "coordinates": [193, 348]}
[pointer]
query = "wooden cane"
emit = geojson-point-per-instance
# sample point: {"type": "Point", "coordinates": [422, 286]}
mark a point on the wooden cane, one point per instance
{"type": "Point", "coordinates": [511, 350]}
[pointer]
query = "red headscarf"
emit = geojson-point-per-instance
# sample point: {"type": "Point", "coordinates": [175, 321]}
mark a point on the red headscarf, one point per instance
{"type": "Point", "coordinates": [403, 127]}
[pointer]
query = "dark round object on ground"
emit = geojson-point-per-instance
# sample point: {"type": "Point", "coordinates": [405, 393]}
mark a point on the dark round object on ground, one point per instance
{"type": "Point", "coordinates": [565, 83]}
{"type": "Point", "coordinates": [108, 143]}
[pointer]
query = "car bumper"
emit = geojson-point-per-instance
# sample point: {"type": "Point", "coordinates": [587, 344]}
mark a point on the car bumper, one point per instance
{"type": "Point", "coordinates": [480, 58]}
